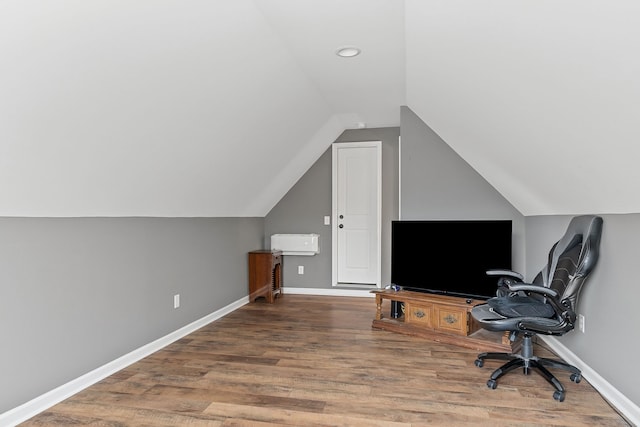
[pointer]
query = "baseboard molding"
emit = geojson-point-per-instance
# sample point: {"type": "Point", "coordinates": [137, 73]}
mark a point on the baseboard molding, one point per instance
{"type": "Point", "coordinates": [41, 403]}
{"type": "Point", "coordinates": [619, 401]}
{"type": "Point", "coordinates": [329, 292]}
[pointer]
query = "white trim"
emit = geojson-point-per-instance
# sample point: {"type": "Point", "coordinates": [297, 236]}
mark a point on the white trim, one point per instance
{"type": "Point", "coordinates": [329, 292]}
{"type": "Point", "coordinates": [43, 402]}
{"type": "Point", "coordinates": [619, 401]}
{"type": "Point", "coordinates": [334, 206]}
{"type": "Point", "coordinates": [379, 213]}
{"type": "Point", "coordinates": [334, 215]}
{"type": "Point", "coordinates": [400, 177]}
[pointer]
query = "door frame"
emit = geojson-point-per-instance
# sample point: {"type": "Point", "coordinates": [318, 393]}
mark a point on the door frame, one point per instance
{"type": "Point", "coordinates": [334, 211]}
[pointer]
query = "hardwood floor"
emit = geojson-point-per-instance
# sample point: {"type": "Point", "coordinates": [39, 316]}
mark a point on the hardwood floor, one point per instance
{"type": "Point", "coordinates": [316, 361]}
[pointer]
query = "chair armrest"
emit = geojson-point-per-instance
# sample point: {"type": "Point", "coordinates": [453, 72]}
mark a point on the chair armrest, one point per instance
{"type": "Point", "coordinates": [505, 279]}
{"type": "Point", "coordinates": [565, 316]}
{"type": "Point", "coordinates": [528, 287]}
{"type": "Point", "coordinates": [506, 273]}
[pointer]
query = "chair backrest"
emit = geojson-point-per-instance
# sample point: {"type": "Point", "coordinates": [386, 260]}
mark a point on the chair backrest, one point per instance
{"type": "Point", "coordinates": [572, 258]}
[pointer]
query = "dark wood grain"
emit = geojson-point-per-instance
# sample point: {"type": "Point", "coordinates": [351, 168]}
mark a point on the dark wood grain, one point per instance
{"type": "Point", "coordinates": [316, 361]}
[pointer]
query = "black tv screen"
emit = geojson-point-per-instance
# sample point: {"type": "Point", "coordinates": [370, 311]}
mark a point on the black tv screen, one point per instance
{"type": "Point", "coordinates": [450, 257]}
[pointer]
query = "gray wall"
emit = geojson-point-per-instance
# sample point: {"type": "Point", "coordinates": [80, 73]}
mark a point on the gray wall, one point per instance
{"type": "Point", "coordinates": [76, 293]}
{"type": "Point", "coordinates": [438, 184]}
{"type": "Point", "coordinates": [608, 301]}
{"type": "Point", "coordinates": [302, 210]}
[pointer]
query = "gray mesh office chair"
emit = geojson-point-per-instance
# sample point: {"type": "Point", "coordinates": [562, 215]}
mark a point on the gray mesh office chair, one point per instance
{"type": "Point", "coordinates": [545, 306]}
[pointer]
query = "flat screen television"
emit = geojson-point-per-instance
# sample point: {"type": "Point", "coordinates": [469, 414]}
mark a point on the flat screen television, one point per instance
{"type": "Point", "coordinates": [450, 257]}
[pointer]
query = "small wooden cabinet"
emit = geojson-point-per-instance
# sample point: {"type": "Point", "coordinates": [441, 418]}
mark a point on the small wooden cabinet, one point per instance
{"type": "Point", "coordinates": [265, 275]}
{"type": "Point", "coordinates": [442, 318]}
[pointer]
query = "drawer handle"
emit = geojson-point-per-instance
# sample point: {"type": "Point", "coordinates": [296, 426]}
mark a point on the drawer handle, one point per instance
{"type": "Point", "coordinates": [450, 318]}
{"type": "Point", "coordinates": [419, 314]}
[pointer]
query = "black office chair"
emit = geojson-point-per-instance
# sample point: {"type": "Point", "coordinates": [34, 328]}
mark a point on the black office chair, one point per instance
{"type": "Point", "coordinates": [546, 306]}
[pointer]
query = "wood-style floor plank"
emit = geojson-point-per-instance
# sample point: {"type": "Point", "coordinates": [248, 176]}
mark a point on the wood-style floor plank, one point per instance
{"type": "Point", "coordinates": [316, 361]}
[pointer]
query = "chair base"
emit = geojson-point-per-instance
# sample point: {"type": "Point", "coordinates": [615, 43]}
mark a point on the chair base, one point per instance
{"type": "Point", "coordinates": [528, 362]}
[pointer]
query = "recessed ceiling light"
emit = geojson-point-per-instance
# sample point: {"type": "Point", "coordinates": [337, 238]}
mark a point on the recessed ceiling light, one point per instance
{"type": "Point", "coordinates": [348, 51]}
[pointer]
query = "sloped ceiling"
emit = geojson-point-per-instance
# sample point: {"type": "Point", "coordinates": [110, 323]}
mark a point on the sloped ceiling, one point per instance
{"type": "Point", "coordinates": [541, 97]}
{"type": "Point", "coordinates": [173, 108]}
{"type": "Point", "coordinates": [216, 108]}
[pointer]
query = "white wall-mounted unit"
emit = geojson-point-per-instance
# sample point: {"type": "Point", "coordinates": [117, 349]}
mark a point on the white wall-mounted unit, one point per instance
{"type": "Point", "coordinates": [296, 244]}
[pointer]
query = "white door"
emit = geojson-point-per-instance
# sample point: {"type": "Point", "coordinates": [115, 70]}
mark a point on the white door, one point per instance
{"type": "Point", "coordinates": [357, 187]}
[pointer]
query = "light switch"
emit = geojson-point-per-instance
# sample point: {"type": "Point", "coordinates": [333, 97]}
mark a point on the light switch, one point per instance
{"type": "Point", "coordinates": [327, 220]}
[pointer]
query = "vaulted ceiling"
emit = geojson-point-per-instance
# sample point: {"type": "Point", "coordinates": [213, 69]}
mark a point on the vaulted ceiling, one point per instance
{"type": "Point", "coordinates": [216, 108]}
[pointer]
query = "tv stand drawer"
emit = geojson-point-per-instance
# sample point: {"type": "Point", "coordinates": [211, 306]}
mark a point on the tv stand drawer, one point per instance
{"type": "Point", "coordinates": [452, 320]}
{"type": "Point", "coordinates": [419, 313]}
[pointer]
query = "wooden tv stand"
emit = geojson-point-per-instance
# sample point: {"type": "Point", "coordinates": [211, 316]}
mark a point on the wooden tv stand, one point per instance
{"type": "Point", "coordinates": [440, 318]}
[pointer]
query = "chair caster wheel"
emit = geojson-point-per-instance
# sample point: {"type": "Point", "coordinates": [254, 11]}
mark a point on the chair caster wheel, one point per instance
{"type": "Point", "coordinates": [492, 384]}
{"type": "Point", "coordinates": [479, 363]}
{"type": "Point", "coordinates": [576, 378]}
{"type": "Point", "coordinates": [559, 396]}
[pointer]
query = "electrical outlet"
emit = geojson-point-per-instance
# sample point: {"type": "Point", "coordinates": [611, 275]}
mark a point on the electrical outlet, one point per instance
{"type": "Point", "coordinates": [581, 322]}
{"type": "Point", "coordinates": [176, 301]}
{"type": "Point", "coordinates": [301, 269]}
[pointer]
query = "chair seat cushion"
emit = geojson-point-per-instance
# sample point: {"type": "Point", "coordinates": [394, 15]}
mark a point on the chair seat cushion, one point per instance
{"type": "Point", "coordinates": [520, 306]}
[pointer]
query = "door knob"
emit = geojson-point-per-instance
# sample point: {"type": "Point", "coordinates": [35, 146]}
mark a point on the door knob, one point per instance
{"type": "Point", "coordinates": [341, 216]}
{"type": "Point", "coordinates": [341, 226]}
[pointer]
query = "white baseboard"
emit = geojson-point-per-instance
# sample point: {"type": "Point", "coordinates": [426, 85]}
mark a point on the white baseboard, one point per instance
{"type": "Point", "coordinates": [623, 405]}
{"type": "Point", "coordinates": [41, 403]}
{"type": "Point", "coordinates": [329, 292]}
